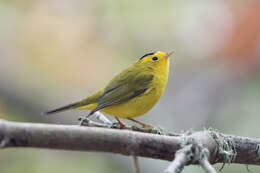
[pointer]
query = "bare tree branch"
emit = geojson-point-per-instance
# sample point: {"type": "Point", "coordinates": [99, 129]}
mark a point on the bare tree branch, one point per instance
{"type": "Point", "coordinates": [182, 158]}
{"type": "Point", "coordinates": [222, 148]}
{"type": "Point", "coordinates": [207, 166]}
{"type": "Point", "coordinates": [136, 165]}
{"type": "Point", "coordinates": [192, 153]}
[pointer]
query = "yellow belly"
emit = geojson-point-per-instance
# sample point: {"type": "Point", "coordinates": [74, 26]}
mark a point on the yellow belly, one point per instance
{"type": "Point", "coordinates": [136, 106]}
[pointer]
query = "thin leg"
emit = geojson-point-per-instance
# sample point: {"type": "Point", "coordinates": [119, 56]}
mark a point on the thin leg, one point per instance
{"type": "Point", "coordinates": [122, 125]}
{"type": "Point", "coordinates": [142, 124]}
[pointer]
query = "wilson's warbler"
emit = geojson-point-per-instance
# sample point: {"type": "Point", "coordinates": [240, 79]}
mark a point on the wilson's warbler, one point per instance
{"type": "Point", "coordinates": [131, 93]}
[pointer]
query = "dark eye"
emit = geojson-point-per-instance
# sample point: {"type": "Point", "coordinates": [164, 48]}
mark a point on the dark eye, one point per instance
{"type": "Point", "coordinates": [155, 58]}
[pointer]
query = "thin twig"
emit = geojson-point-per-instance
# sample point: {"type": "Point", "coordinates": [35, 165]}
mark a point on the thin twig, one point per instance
{"type": "Point", "coordinates": [103, 118]}
{"type": "Point", "coordinates": [136, 164]}
{"type": "Point", "coordinates": [4, 142]}
{"type": "Point", "coordinates": [207, 166]}
{"type": "Point", "coordinates": [182, 157]}
{"type": "Point", "coordinates": [193, 152]}
{"type": "Point", "coordinates": [90, 123]}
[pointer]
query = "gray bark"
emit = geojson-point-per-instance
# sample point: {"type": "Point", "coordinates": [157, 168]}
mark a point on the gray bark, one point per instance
{"type": "Point", "coordinates": [66, 137]}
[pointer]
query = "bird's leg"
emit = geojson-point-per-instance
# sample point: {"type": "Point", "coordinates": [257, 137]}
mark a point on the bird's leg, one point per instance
{"type": "Point", "coordinates": [121, 124]}
{"type": "Point", "coordinates": [142, 124]}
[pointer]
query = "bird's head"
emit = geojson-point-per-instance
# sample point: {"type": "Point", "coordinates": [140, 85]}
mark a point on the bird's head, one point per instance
{"type": "Point", "coordinates": [155, 60]}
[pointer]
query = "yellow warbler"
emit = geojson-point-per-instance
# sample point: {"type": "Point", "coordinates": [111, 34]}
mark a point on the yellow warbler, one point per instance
{"type": "Point", "coordinates": [131, 93]}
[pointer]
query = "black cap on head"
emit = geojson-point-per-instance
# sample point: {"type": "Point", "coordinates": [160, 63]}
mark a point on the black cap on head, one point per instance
{"type": "Point", "coordinates": [147, 55]}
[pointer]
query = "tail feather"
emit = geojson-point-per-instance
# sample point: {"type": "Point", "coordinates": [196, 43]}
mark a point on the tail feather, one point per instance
{"type": "Point", "coordinates": [87, 101]}
{"type": "Point", "coordinates": [61, 109]}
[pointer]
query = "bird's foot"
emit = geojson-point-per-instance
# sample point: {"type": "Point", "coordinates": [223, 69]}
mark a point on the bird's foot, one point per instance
{"type": "Point", "coordinates": [121, 124]}
{"type": "Point", "coordinates": [159, 130]}
{"type": "Point", "coordinates": [154, 130]}
{"type": "Point", "coordinates": [147, 126]}
{"type": "Point", "coordinates": [117, 125]}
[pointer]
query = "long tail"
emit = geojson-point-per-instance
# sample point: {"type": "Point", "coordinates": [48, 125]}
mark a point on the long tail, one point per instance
{"type": "Point", "coordinates": [91, 99]}
{"type": "Point", "coordinates": [61, 109]}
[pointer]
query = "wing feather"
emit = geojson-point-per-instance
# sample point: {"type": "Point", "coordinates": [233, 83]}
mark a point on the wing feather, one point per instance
{"type": "Point", "coordinates": [124, 87]}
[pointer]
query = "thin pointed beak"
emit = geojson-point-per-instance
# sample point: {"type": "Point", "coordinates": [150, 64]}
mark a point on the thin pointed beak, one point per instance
{"type": "Point", "coordinates": [170, 53]}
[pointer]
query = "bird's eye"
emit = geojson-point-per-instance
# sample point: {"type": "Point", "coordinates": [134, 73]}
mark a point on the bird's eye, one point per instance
{"type": "Point", "coordinates": [155, 58]}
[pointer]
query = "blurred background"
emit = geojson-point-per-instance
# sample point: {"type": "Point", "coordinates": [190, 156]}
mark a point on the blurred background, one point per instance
{"type": "Point", "coordinates": [55, 52]}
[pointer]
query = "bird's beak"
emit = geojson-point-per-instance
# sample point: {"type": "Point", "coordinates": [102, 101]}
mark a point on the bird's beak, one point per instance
{"type": "Point", "coordinates": [169, 54]}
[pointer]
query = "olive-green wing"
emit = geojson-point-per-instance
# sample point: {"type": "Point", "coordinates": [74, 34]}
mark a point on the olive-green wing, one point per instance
{"type": "Point", "coordinates": [124, 87]}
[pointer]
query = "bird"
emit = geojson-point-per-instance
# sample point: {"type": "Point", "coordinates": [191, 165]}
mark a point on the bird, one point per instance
{"type": "Point", "coordinates": [131, 93]}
